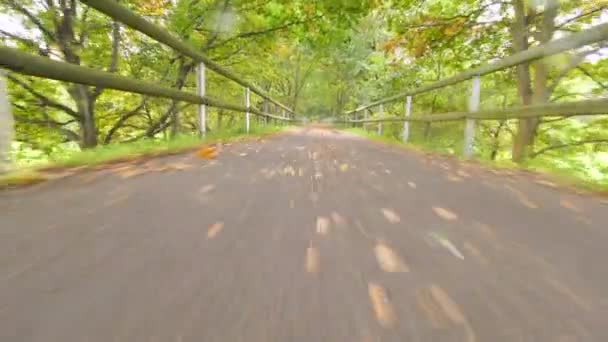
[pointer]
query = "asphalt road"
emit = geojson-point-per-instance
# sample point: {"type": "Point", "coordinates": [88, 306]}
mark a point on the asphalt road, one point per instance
{"type": "Point", "coordinates": [313, 235]}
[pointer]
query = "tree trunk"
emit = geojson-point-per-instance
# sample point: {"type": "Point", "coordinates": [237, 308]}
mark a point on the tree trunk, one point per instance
{"type": "Point", "coordinates": [519, 33]}
{"type": "Point", "coordinates": [85, 105]}
{"type": "Point", "coordinates": [220, 117]}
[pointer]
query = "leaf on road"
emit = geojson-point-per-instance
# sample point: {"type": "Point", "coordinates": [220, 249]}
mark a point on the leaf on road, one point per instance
{"type": "Point", "coordinates": [445, 214]}
{"type": "Point", "coordinates": [207, 152]}
{"type": "Point", "coordinates": [385, 314]}
{"type": "Point", "coordinates": [453, 178]}
{"type": "Point", "coordinates": [177, 166]}
{"type": "Point", "coordinates": [312, 260]}
{"type": "Point", "coordinates": [289, 170]}
{"type": "Point", "coordinates": [322, 225]}
{"type": "Point", "coordinates": [207, 188]}
{"type": "Point", "coordinates": [130, 173]}
{"type": "Point", "coordinates": [463, 173]}
{"type": "Point", "coordinates": [391, 216]}
{"type": "Point", "coordinates": [338, 219]}
{"type": "Point", "coordinates": [344, 167]}
{"type": "Point", "coordinates": [570, 206]}
{"type": "Point", "coordinates": [388, 260]}
{"type": "Point", "coordinates": [545, 183]}
{"type": "Point", "coordinates": [214, 229]}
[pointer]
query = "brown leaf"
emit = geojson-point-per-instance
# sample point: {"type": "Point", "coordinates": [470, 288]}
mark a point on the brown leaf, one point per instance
{"type": "Point", "coordinates": [445, 214]}
{"type": "Point", "coordinates": [207, 152]}
{"type": "Point", "coordinates": [214, 229]}
{"type": "Point", "coordinates": [391, 216]}
{"type": "Point", "coordinates": [569, 205]}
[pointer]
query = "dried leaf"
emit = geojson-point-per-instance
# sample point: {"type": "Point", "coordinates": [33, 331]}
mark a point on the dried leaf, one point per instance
{"type": "Point", "coordinates": [391, 216]}
{"type": "Point", "coordinates": [385, 314]}
{"type": "Point", "coordinates": [571, 206]}
{"type": "Point", "coordinates": [207, 152]}
{"type": "Point", "coordinates": [322, 225]}
{"type": "Point", "coordinates": [388, 260]}
{"type": "Point", "coordinates": [343, 167]}
{"type": "Point", "coordinates": [338, 219]}
{"type": "Point", "coordinates": [445, 214]}
{"type": "Point", "coordinates": [214, 229]}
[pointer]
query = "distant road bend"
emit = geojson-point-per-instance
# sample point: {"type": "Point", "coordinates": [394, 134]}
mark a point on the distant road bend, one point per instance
{"type": "Point", "coordinates": [312, 235]}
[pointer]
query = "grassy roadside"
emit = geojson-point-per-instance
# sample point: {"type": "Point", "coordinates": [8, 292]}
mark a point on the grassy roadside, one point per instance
{"type": "Point", "coordinates": [127, 151]}
{"type": "Point", "coordinates": [558, 176]}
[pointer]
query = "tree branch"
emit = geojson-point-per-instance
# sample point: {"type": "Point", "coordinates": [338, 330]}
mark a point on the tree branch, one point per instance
{"type": "Point", "coordinates": [261, 32]}
{"type": "Point", "coordinates": [45, 101]}
{"type": "Point", "coordinates": [58, 126]}
{"type": "Point", "coordinates": [28, 42]}
{"type": "Point", "coordinates": [123, 119]}
{"type": "Point", "coordinates": [593, 78]}
{"type": "Point", "coordinates": [576, 143]}
{"type": "Point", "coordinates": [33, 18]}
{"type": "Point", "coordinates": [584, 14]}
{"type": "Point", "coordinates": [114, 57]}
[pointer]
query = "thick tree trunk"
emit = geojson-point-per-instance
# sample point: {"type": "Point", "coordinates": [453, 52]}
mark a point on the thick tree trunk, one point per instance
{"type": "Point", "coordinates": [526, 128]}
{"type": "Point", "coordinates": [523, 143]}
{"type": "Point", "coordinates": [85, 105]}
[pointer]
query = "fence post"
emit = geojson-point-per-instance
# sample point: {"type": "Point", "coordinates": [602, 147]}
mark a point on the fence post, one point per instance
{"type": "Point", "coordinates": [469, 129]}
{"type": "Point", "coordinates": [381, 112]}
{"type": "Point", "coordinates": [247, 113]}
{"type": "Point", "coordinates": [6, 125]}
{"type": "Point", "coordinates": [406, 124]}
{"type": "Point", "coordinates": [202, 109]}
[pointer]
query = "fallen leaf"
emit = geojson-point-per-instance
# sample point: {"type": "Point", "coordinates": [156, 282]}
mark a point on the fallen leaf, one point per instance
{"type": "Point", "coordinates": [177, 166]}
{"type": "Point", "coordinates": [207, 188]}
{"type": "Point", "coordinates": [214, 229]}
{"type": "Point", "coordinates": [445, 214]}
{"type": "Point", "coordinates": [388, 260]}
{"type": "Point", "coordinates": [131, 173]}
{"type": "Point", "coordinates": [312, 260]}
{"type": "Point", "coordinates": [207, 152]}
{"type": "Point", "coordinates": [391, 216]}
{"type": "Point", "coordinates": [463, 173]}
{"type": "Point", "coordinates": [322, 225]}
{"type": "Point", "coordinates": [569, 205]}
{"type": "Point", "coordinates": [338, 219]}
{"type": "Point", "coordinates": [385, 314]}
{"type": "Point", "coordinates": [343, 167]}
{"type": "Point", "coordinates": [453, 178]}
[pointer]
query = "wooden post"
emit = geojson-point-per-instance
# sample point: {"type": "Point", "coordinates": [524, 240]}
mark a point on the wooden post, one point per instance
{"type": "Point", "coordinates": [406, 124]}
{"type": "Point", "coordinates": [469, 129]}
{"type": "Point", "coordinates": [247, 105]}
{"type": "Point", "coordinates": [6, 126]}
{"type": "Point", "coordinates": [202, 109]}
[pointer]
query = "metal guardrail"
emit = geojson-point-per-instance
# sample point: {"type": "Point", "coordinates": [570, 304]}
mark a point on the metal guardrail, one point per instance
{"type": "Point", "coordinates": [595, 34]}
{"type": "Point", "coordinates": [28, 64]}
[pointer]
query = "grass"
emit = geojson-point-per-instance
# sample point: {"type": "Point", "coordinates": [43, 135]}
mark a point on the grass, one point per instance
{"type": "Point", "coordinates": [126, 151]}
{"type": "Point", "coordinates": [560, 176]}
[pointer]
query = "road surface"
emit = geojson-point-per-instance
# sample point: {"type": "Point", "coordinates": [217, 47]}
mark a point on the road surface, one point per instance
{"type": "Point", "coordinates": [313, 235]}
